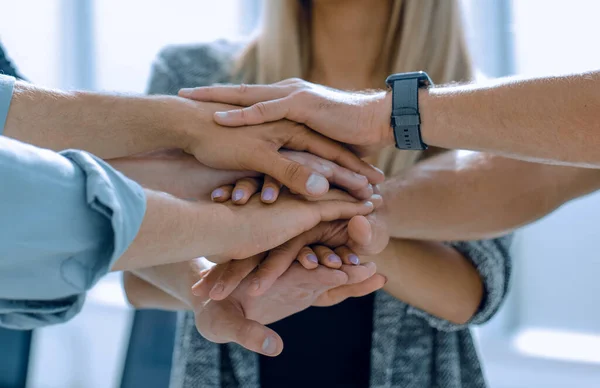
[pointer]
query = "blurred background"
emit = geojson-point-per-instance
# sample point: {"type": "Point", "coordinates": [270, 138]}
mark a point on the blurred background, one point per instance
{"type": "Point", "coordinates": [546, 335]}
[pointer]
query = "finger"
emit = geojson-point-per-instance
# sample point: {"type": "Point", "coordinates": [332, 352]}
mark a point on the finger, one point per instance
{"type": "Point", "coordinates": [377, 200]}
{"type": "Point", "coordinates": [360, 231]}
{"type": "Point", "coordinates": [203, 287]}
{"type": "Point", "coordinates": [368, 235]}
{"type": "Point", "coordinates": [244, 95]}
{"type": "Point", "coordinates": [297, 177]}
{"type": "Point", "coordinates": [277, 263]}
{"type": "Point", "coordinates": [347, 255]}
{"type": "Point", "coordinates": [259, 113]}
{"type": "Point", "coordinates": [327, 257]}
{"type": "Point", "coordinates": [244, 189]}
{"type": "Point", "coordinates": [359, 273]}
{"type": "Point", "coordinates": [340, 210]}
{"type": "Point", "coordinates": [308, 258]}
{"type": "Point", "coordinates": [232, 326]}
{"type": "Point", "coordinates": [358, 185]}
{"type": "Point", "coordinates": [339, 294]}
{"type": "Point", "coordinates": [222, 194]}
{"type": "Point", "coordinates": [324, 147]}
{"type": "Point", "coordinates": [333, 195]}
{"type": "Point", "coordinates": [232, 276]}
{"type": "Point", "coordinates": [270, 190]}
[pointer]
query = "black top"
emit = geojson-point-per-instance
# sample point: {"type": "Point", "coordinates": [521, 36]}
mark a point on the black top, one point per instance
{"type": "Point", "coordinates": [6, 66]}
{"type": "Point", "coordinates": [323, 347]}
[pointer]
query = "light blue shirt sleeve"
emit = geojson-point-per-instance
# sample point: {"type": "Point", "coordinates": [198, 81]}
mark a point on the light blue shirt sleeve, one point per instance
{"type": "Point", "coordinates": [65, 219]}
{"type": "Point", "coordinates": [7, 85]}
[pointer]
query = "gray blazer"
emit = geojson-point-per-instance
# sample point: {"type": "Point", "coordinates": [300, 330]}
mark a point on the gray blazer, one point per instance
{"type": "Point", "coordinates": [410, 348]}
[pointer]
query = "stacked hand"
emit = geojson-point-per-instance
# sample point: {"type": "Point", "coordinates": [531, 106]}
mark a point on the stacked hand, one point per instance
{"type": "Point", "coordinates": [357, 119]}
{"type": "Point", "coordinates": [311, 245]}
{"type": "Point", "coordinates": [257, 148]}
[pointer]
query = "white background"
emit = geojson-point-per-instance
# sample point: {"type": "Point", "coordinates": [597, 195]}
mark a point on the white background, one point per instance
{"type": "Point", "coordinates": [547, 334]}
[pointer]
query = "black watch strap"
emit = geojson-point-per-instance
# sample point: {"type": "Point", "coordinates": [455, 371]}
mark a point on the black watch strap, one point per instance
{"type": "Point", "coordinates": [406, 121]}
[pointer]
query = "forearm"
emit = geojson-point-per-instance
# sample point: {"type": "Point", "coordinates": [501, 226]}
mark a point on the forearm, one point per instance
{"type": "Point", "coordinates": [107, 125]}
{"type": "Point", "coordinates": [551, 119]}
{"type": "Point", "coordinates": [144, 295]}
{"type": "Point", "coordinates": [175, 230]}
{"type": "Point", "coordinates": [165, 286]}
{"type": "Point", "coordinates": [432, 277]}
{"type": "Point", "coordinates": [470, 196]}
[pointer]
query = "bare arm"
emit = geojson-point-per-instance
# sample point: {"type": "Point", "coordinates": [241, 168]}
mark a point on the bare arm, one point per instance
{"type": "Point", "coordinates": [478, 195]}
{"type": "Point", "coordinates": [143, 295]}
{"type": "Point", "coordinates": [552, 119]}
{"type": "Point", "coordinates": [107, 125]}
{"type": "Point", "coordinates": [432, 277]}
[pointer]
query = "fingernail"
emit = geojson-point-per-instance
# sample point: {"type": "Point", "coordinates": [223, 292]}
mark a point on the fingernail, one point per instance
{"type": "Point", "coordinates": [334, 259]}
{"type": "Point", "coordinates": [196, 290]}
{"type": "Point", "coordinates": [238, 195]}
{"type": "Point", "coordinates": [369, 204]}
{"type": "Point", "coordinates": [378, 170]}
{"type": "Point", "coordinates": [222, 115]}
{"type": "Point", "coordinates": [359, 176]}
{"type": "Point", "coordinates": [186, 92]}
{"type": "Point", "coordinates": [218, 288]}
{"type": "Point", "coordinates": [316, 184]}
{"type": "Point", "coordinates": [324, 169]}
{"type": "Point", "coordinates": [312, 258]}
{"type": "Point", "coordinates": [218, 193]}
{"type": "Point", "coordinates": [268, 194]}
{"type": "Point", "coordinates": [354, 259]}
{"type": "Point", "coordinates": [269, 345]}
{"type": "Point", "coordinates": [255, 285]}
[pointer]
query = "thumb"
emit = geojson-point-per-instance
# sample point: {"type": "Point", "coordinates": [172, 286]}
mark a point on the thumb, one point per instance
{"type": "Point", "coordinates": [221, 322]}
{"type": "Point", "coordinates": [360, 232]}
{"type": "Point", "coordinates": [301, 179]}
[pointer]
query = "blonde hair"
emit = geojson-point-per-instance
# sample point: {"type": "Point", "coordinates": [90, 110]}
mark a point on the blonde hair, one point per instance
{"type": "Point", "coordinates": [423, 35]}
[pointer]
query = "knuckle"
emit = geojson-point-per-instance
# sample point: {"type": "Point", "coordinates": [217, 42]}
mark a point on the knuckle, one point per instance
{"type": "Point", "coordinates": [243, 333]}
{"type": "Point", "coordinates": [293, 171]}
{"type": "Point", "coordinates": [260, 108]}
{"type": "Point", "coordinates": [242, 88]}
{"type": "Point", "coordinates": [243, 114]}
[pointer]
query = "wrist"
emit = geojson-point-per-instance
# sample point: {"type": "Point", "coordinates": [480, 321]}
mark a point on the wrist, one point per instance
{"type": "Point", "coordinates": [429, 113]}
{"type": "Point", "coordinates": [176, 118]}
{"type": "Point", "coordinates": [384, 115]}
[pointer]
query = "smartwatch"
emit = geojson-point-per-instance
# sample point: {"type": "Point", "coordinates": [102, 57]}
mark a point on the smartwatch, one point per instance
{"type": "Point", "coordinates": [406, 121]}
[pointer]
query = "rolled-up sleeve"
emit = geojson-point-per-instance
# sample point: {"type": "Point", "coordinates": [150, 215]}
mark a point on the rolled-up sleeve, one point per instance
{"type": "Point", "coordinates": [66, 218]}
{"type": "Point", "coordinates": [492, 260]}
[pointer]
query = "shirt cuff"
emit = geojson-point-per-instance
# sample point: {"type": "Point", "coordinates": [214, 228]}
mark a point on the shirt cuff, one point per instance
{"type": "Point", "coordinates": [28, 315]}
{"type": "Point", "coordinates": [7, 85]}
{"type": "Point", "coordinates": [119, 199]}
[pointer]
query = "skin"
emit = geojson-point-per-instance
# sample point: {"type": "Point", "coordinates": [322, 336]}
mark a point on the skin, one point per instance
{"type": "Point", "coordinates": [112, 126]}
{"type": "Point", "coordinates": [241, 318]}
{"type": "Point", "coordinates": [221, 231]}
{"type": "Point", "coordinates": [443, 282]}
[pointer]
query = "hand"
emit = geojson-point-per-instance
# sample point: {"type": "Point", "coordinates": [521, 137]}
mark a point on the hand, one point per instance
{"type": "Point", "coordinates": [243, 231]}
{"type": "Point", "coordinates": [331, 244]}
{"type": "Point", "coordinates": [355, 184]}
{"type": "Point", "coordinates": [180, 174]}
{"type": "Point", "coordinates": [361, 120]}
{"type": "Point", "coordinates": [361, 235]}
{"type": "Point", "coordinates": [256, 148]}
{"type": "Point", "coordinates": [241, 317]}
{"type": "Point", "coordinates": [177, 173]}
